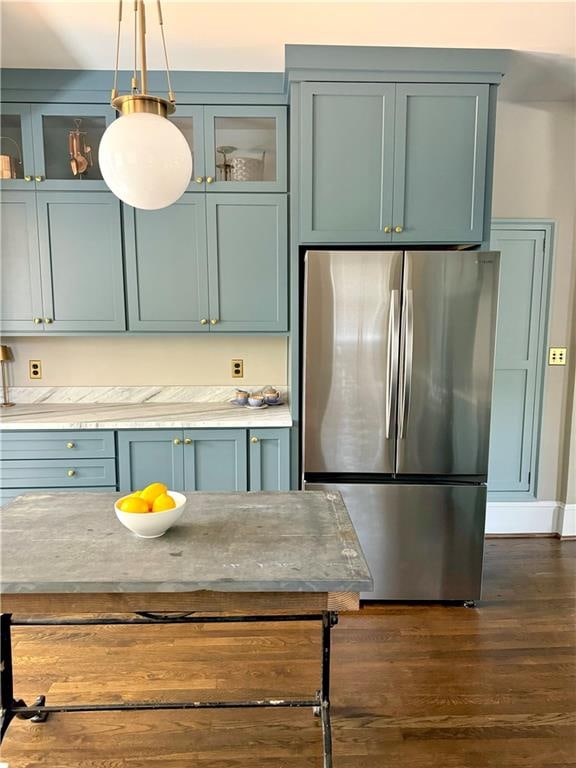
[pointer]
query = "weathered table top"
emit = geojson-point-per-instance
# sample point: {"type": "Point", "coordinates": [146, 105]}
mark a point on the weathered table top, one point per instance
{"type": "Point", "coordinates": [224, 542]}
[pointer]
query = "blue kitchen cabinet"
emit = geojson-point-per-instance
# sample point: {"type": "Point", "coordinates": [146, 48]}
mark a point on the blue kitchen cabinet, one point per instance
{"type": "Point", "coordinates": [519, 360]}
{"type": "Point", "coordinates": [56, 460]}
{"type": "Point", "coordinates": [346, 162]}
{"type": "Point", "coordinates": [190, 120]}
{"type": "Point", "coordinates": [16, 142]}
{"type": "Point", "coordinates": [81, 261]}
{"type": "Point", "coordinates": [166, 266]}
{"type": "Point", "coordinates": [440, 141]}
{"type": "Point", "coordinates": [384, 162]}
{"type": "Point", "coordinates": [245, 148]}
{"type": "Point", "coordinates": [269, 459]}
{"type": "Point", "coordinates": [66, 141]}
{"type": "Point", "coordinates": [20, 285]}
{"type": "Point", "coordinates": [150, 455]}
{"type": "Point", "coordinates": [215, 460]}
{"type": "Point", "coordinates": [185, 460]}
{"type": "Point", "coordinates": [247, 262]}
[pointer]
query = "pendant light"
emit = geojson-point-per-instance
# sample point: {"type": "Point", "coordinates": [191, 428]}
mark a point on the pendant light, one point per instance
{"type": "Point", "coordinates": [144, 158]}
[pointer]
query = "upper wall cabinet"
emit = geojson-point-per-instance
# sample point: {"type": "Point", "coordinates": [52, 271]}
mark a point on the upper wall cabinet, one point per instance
{"type": "Point", "coordinates": [55, 146]}
{"type": "Point", "coordinates": [402, 163]}
{"type": "Point", "coordinates": [235, 149]}
{"type": "Point", "coordinates": [61, 262]}
{"type": "Point", "coordinates": [208, 263]}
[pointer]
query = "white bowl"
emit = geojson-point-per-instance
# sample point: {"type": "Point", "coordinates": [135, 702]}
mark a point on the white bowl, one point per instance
{"type": "Point", "coordinates": [150, 525]}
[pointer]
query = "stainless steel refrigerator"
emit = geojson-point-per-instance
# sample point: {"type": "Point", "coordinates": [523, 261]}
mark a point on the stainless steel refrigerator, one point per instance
{"type": "Point", "coordinates": [398, 362]}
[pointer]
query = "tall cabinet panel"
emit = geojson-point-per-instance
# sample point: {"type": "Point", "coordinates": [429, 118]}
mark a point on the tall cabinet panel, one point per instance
{"type": "Point", "coordinates": [514, 406]}
{"type": "Point", "coordinates": [21, 296]}
{"type": "Point", "coordinates": [247, 254]}
{"type": "Point", "coordinates": [346, 166]}
{"type": "Point", "coordinates": [269, 459]}
{"type": "Point", "coordinates": [81, 261]}
{"type": "Point", "coordinates": [215, 460]}
{"type": "Point", "coordinates": [439, 162]}
{"type": "Point", "coordinates": [166, 266]}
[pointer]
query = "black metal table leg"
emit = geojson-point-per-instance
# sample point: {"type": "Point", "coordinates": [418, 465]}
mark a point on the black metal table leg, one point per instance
{"type": "Point", "coordinates": [38, 712]}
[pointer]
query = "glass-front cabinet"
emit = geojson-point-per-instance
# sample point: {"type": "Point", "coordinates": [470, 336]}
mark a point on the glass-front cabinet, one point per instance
{"type": "Point", "coordinates": [235, 149]}
{"type": "Point", "coordinates": [66, 143]}
{"type": "Point", "coordinates": [16, 154]}
{"type": "Point", "coordinates": [52, 146]}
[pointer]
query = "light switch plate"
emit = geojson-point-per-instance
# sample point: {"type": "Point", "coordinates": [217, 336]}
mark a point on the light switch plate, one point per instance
{"type": "Point", "coordinates": [557, 356]}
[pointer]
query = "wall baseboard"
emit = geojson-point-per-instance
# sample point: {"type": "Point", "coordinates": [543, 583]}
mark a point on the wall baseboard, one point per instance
{"type": "Point", "coordinates": [551, 518]}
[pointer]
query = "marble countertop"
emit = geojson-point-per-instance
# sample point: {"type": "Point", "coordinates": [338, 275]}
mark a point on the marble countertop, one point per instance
{"type": "Point", "coordinates": [297, 541]}
{"type": "Point", "coordinates": [141, 415]}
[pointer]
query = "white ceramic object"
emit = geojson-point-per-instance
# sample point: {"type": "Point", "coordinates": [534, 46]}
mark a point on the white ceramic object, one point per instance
{"type": "Point", "coordinates": [150, 525]}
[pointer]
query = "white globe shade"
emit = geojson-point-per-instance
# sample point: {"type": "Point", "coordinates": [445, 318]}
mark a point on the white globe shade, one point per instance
{"type": "Point", "coordinates": [145, 160]}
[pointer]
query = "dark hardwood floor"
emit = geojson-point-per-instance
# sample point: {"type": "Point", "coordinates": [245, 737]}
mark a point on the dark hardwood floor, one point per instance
{"type": "Point", "coordinates": [420, 686]}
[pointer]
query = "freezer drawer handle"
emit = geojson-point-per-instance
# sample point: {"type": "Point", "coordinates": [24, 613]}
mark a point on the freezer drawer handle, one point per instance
{"type": "Point", "coordinates": [392, 358]}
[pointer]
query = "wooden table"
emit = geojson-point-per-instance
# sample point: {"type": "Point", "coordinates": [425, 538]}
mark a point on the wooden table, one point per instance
{"type": "Point", "coordinates": [239, 557]}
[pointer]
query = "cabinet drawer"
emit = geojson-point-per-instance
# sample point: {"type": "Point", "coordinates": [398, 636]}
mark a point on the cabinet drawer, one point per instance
{"type": "Point", "coordinates": [7, 494]}
{"type": "Point", "coordinates": [57, 473]}
{"type": "Point", "coordinates": [58, 445]}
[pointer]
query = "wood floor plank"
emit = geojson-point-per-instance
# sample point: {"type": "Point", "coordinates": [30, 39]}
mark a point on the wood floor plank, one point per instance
{"type": "Point", "coordinates": [425, 686]}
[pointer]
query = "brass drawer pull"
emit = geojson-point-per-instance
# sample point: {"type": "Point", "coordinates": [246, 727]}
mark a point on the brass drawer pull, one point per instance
{"type": "Point", "coordinates": [48, 320]}
{"type": "Point", "coordinates": [37, 320]}
{"type": "Point", "coordinates": [70, 445]}
{"type": "Point", "coordinates": [204, 321]}
{"type": "Point", "coordinates": [38, 178]}
{"type": "Point", "coordinates": [187, 441]}
{"type": "Point", "coordinates": [71, 472]}
{"type": "Point", "coordinates": [199, 179]}
{"type": "Point", "coordinates": [253, 439]}
{"type": "Point", "coordinates": [214, 321]}
{"type": "Point", "coordinates": [27, 178]}
{"type": "Point", "coordinates": [398, 229]}
{"type": "Point", "coordinates": [387, 229]}
{"type": "Point", "coordinates": [209, 179]}
{"type": "Point", "coordinates": [176, 441]}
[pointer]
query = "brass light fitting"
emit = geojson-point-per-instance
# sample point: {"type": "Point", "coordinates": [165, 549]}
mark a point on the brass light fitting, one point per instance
{"type": "Point", "coordinates": [139, 100]}
{"type": "Point", "coordinates": [6, 356]}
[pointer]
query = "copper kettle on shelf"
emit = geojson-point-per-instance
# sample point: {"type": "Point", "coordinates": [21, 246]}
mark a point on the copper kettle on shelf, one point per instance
{"type": "Point", "coordinates": [8, 164]}
{"type": "Point", "coordinates": [79, 150]}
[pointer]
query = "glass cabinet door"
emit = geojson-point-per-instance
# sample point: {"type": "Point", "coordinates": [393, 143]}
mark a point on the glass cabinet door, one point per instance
{"type": "Point", "coordinates": [245, 149]}
{"type": "Point", "coordinates": [190, 120]}
{"type": "Point", "coordinates": [66, 142]}
{"type": "Point", "coordinates": [16, 156]}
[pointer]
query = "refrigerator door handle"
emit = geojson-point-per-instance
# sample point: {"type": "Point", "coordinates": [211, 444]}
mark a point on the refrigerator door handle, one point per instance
{"type": "Point", "coordinates": [392, 358]}
{"type": "Point", "coordinates": [407, 362]}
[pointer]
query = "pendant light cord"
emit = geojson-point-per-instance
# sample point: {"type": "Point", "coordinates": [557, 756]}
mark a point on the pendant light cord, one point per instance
{"type": "Point", "coordinates": [171, 94]}
{"type": "Point", "coordinates": [116, 63]}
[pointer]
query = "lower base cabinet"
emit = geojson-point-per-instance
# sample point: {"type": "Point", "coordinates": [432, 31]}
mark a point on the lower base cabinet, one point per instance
{"type": "Point", "coordinates": [205, 459]}
{"type": "Point", "coordinates": [269, 460]}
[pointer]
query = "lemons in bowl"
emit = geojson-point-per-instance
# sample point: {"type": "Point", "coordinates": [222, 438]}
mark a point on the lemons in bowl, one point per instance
{"type": "Point", "coordinates": [151, 512]}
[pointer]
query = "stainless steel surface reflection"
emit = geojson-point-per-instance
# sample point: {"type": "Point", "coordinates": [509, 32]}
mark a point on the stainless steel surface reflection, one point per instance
{"type": "Point", "coordinates": [422, 542]}
{"type": "Point", "coordinates": [352, 314]}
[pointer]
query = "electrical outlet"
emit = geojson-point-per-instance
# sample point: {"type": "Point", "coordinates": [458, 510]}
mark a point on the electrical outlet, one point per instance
{"type": "Point", "coordinates": [557, 356]}
{"type": "Point", "coordinates": [35, 369]}
{"type": "Point", "coordinates": [237, 369]}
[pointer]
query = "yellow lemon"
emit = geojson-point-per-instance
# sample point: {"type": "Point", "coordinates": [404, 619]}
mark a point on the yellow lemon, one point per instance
{"type": "Point", "coordinates": [134, 504]}
{"type": "Point", "coordinates": [152, 491]}
{"type": "Point", "coordinates": [163, 502]}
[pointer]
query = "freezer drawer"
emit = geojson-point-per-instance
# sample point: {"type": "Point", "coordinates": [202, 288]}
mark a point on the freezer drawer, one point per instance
{"type": "Point", "coordinates": [422, 542]}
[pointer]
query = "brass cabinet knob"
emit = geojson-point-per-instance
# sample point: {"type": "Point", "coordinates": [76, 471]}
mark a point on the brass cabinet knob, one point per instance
{"type": "Point", "coordinates": [214, 321]}
{"type": "Point", "coordinates": [48, 320]}
{"type": "Point", "coordinates": [70, 445]}
{"type": "Point", "coordinates": [176, 441]}
{"type": "Point", "coordinates": [199, 179]}
{"type": "Point", "coordinates": [27, 178]}
{"type": "Point", "coordinates": [209, 179]}
{"type": "Point", "coordinates": [37, 320]}
{"type": "Point", "coordinates": [398, 229]}
{"type": "Point", "coordinates": [38, 178]}
{"type": "Point", "coordinates": [204, 321]}
{"type": "Point", "coordinates": [71, 472]}
{"type": "Point", "coordinates": [187, 441]}
{"type": "Point", "coordinates": [253, 439]}
{"type": "Point", "coordinates": [387, 229]}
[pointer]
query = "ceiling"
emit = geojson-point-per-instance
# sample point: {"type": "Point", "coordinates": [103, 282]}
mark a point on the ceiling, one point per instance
{"type": "Point", "coordinates": [245, 36]}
